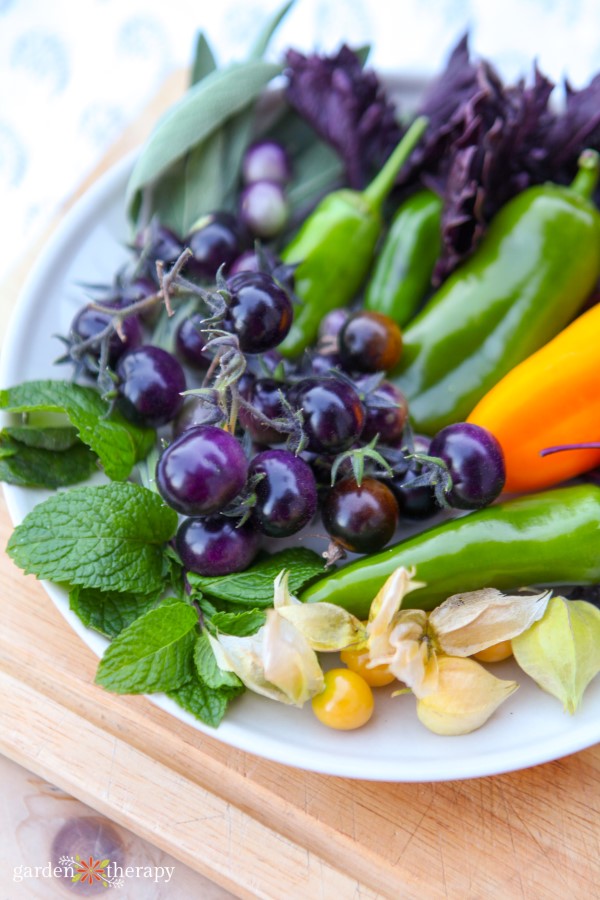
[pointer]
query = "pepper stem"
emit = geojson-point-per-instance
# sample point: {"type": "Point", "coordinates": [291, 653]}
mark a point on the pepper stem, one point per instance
{"type": "Point", "coordinates": [587, 445]}
{"type": "Point", "coordinates": [376, 192]}
{"type": "Point", "coordinates": [586, 180]}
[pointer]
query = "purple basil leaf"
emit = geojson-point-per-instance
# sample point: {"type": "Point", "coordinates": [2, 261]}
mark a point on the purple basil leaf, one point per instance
{"type": "Point", "coordinates": [485, 143]}
{"type": "Point", "coordinates": [444, 104]}
{"type": "Point", "coordinates": [577, 128]}
{"type": "Point", "coordinates": [347, 107]}
{"type": "Point", "coordinates": [502, 151]}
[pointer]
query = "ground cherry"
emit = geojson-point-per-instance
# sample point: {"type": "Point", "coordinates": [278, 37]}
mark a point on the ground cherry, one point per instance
{"type": "Point", "coordinates": [357, 661]}
{"type": "Point", "coordinates": [495, 653]}
{"type": "Point", "coordinates": [346, 701]}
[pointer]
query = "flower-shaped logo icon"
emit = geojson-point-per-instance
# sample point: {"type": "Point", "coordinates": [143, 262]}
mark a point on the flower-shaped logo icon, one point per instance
{"type": "Point", "coordinates": [90, 871]}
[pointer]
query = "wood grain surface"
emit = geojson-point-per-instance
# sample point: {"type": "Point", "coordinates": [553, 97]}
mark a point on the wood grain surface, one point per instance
{"type": "Point", "coordinates": [261, 829]}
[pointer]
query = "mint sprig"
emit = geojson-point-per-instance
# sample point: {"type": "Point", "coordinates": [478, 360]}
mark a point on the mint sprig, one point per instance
{"type": "Point", "coordinates": [241, 624]}
{"type": "Point", "coordinates": [207, 704]}
{"type": "Point", "coordinates": [154, 653]}
{"type": "Point", "coordinates": [110, 537]}
{"type": "Point", "coordinates": [254, 587]}
{"type": "Point", "coordinates": [44, 458]}
{"type": "Point", "coordinates": [118, 443]}
{"type": "Point", "coordinates": [109, 612]}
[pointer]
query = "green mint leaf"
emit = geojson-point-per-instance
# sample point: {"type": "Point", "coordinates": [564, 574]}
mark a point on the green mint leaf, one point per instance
{"type": "Point", "coordinates": [154, 653]}
{"type": "Point", "coordinates": [207, 704]}
{"type": "Point", "coordinates": [202, 110]}
{"type": "Point", "coordinates": [241, 624]}
{"type": "Point", "coordinates": [28, 465]}
{"type": "Point", "coordinates": [108, 537]}
{"type": "Point", "coordinates": [51, 438]}
{"type": "Point", "coordinates": [109, 612]}
{"type": "Point", "coordinates": [143, 439]}
{"type": "Point", "coordinates": [206, 606]}
{"type": "Point", "coordinates": [118, 443]}
{"type": "Point", "coordinates": [173, 572]}
{"type": "Point", "coordinates": [204, 61]}
{"type": "Point", "coordinates": [207, 669]}
{"type": "Point", "coordinates": [254, 586]}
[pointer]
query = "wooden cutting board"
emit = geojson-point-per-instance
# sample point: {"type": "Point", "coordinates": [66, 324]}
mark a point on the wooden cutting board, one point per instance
{"type": "Point", "coordinates": [262, 829]}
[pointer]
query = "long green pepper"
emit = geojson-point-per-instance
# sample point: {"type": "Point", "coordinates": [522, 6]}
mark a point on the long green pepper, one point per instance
{"type": "Point", "coordinates": [335, 246]}
{"type": "Point", "coordinates": [534, 269]}
{"type": "Point", "coordinates": [538, 539]}
{"type": "Point", "coordinates": [404, 267]}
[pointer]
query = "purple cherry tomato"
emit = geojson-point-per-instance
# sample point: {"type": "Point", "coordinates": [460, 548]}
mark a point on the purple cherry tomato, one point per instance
{"type": "Point", "coordinates": [215, 240]}
{"type": "Point", "coordinates": [362, 518]}
{"type": "Point", "coordinates": [387, 413]}
{"type": "Point", "coordinates": [151, 384]}
{"type": "Point", "coordinates": [260, 312]}
{"type": "Point", "coordinates": [475, 462]}
{"type": "Point", "coordinates": [334, 415]}
{"type": "Point", "coordinates": [264, 209]}
{"type": "Point", "coordinates": [265, 395]}
{"type": "Point", "coordinates": [218, 545]}
{"type": "Point", "coordinates": [286, 493]}
{"type": "Point", "coordinates": [333, 322]}
{"type": "Point", "coordinates": [202, 471]}
{"type": "Point", "coordinates": [266, 161]}
{"type": "Point", "coordinates": [190, 340]}
{"type": "Point", "coordinates": [89, 322]}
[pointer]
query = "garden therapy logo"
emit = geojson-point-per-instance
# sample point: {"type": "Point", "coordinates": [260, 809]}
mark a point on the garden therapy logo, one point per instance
{"type": "Point", "coordinates": [92, 871]}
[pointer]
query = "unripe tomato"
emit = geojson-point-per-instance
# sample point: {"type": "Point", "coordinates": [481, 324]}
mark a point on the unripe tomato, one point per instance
{"type": "Point", "coordinates": [357, 660]}
{"type": "Point", "coordinates": [495, 653]}
{"type": "Point", "coordinates": [346, 701]}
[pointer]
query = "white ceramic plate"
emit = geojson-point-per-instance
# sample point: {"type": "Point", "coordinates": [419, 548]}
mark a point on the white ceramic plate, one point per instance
{"type": "Point", "coordinates": [528, 729]}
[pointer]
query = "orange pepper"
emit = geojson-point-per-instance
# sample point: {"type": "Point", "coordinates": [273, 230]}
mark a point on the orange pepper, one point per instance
{"type": "Point", "coordinates": [550, 399]}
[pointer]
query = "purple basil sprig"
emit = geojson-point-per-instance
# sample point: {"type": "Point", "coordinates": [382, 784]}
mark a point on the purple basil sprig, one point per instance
{"type": "Point", "coordinates": [347, 107]}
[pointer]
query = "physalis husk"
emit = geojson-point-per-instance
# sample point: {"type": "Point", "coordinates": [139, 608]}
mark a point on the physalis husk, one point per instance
{"type": "Point", "coordinates": [465, 698]}
{"type": "Point", "coordinates": [561, 652]}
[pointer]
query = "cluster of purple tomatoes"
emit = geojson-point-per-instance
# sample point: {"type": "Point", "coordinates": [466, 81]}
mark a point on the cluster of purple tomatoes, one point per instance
{"type": "Point", "coordinates": [267, 470]}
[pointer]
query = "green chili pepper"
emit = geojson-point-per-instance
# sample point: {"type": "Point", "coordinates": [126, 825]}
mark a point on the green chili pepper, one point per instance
{"type": "Point", "coordinates": [537, 539]}
{"type": "Point", "coordinates": [535, 267]}
{"type": "Point", "coordinates": [404, 266]}
{"type": "Point", "coordinates": [334, 248]}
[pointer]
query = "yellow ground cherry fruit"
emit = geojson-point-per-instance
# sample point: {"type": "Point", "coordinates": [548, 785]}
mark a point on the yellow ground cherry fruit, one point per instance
{"type": "Point", "coordinates": [346, 702]}
{"type": "Point", "coordinates": [495, 653]}
{"type": "Point", "coordinates": [357, 660]}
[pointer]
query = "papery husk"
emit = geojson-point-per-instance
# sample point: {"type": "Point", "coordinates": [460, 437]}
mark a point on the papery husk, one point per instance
{"type": "Point", "coordinates": [282, 596]}
{"type": "Point", "coordinates": [397, 637]}
{"type": "Point", "coordinates": [244, 656]}
{"type": "Point", "coordinates": [388, 600]}
{"type": "Point", "coordinates": [325, 626]}
{"type": "Point", "coordinates": [466, 623]}
{"type": "Point", "coordinates": [466, 696]}
{"type": "Point", "coordinates": [407, 652]}
{"type": "Point", "coordinates": [276, 662]}
{"type": "Point", "coordinates": [290, 663]}
{"type": "Point", "coordinates": [561, 652]}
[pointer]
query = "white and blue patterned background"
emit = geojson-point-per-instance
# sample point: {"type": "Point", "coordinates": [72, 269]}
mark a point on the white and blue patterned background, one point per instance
{"type": "Point", "coordinates": [74, 73]}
